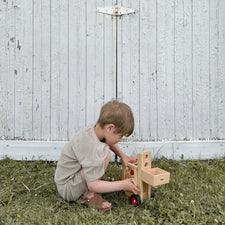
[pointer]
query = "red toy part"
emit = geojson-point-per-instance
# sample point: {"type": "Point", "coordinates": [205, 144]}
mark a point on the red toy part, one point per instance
{"type": "Point", "coordinates": [135, 200]}
{"type": "Point", "coordinates": [132, 172]}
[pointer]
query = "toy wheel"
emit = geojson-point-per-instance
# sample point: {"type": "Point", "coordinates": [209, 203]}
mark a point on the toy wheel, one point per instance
{"type": "Point", "coordinates": [135, 200]}
{"type": "Point", "coordinates": [152, 194]}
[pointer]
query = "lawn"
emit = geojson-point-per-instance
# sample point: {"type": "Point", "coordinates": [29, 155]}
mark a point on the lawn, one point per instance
{"type": "Point", "coordinates": [195, 195]}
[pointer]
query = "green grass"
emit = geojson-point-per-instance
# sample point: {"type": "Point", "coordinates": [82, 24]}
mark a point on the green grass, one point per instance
{"type": "Point", "coordinates": [195, 195]}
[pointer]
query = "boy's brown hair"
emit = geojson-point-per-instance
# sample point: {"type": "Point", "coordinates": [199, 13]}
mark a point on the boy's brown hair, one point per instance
{"type": "Point", "coordinates": [119, 114]}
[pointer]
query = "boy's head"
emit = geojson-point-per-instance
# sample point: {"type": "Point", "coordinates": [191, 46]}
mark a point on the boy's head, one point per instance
{"type": "Point", "coordinates": [119, 114]}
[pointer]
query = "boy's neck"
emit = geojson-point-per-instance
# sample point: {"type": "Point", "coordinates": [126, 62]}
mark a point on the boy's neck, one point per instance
{"type": "Point", "coordinates": [99, 132]}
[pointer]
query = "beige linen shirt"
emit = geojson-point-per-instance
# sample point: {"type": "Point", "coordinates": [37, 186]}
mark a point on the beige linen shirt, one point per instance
{"type": "Point", "coordinates": [84, 151]}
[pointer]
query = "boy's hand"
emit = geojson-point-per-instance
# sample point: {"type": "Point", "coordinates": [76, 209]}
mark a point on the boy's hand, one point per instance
{"type": "Point", "coordinates": [129, 186]}
{"type": "Point", "coordinates": [126, 159]}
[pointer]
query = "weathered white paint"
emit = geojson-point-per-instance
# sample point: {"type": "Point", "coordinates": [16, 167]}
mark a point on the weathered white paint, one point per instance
{"type": "Point", "coordinates": [183, 75]}
{"type": "Point", "coordinates": [128, 49]}
{"type": "Point", "coordinates": [217, 70]}
{"type": "Point", "coordinates": [177, 150]}
{"type": "Point", "coordinates": [59, 62]}
{"type": "Point", "coordinates": [201, 86]}
{"type": "Point", "coordinates": [148, 70]}
{"type": "Point", "coordinates": [59, 69]}
{"type": "Point", "coordinates": [41, 86]}
{"type": "Point", "coordinates": [170, 69]}
{"type": "Point", "coordinates": [76, 114]}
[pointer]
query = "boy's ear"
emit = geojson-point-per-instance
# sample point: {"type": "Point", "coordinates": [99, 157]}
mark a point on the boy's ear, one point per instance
{"type": "Point", "coordinates": [109, 127]}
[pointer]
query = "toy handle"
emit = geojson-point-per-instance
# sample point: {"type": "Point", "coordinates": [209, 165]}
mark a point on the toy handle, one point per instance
{"type": "Point", "coordinates": [131, 164]}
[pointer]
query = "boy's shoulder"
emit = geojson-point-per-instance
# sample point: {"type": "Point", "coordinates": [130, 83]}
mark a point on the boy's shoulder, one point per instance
{"type": "Point", "coordinates": [86, 135]}
{"type": "Point", "coordinates": [86, 144]}
{"type": "Point", "coordinates": [89, 130]}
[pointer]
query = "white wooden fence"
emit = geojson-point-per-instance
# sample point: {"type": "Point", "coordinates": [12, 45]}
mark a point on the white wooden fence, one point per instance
{"type": "Point", "coordinates": [61, 60]}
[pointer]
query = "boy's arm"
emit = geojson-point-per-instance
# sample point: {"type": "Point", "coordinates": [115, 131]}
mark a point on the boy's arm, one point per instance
{"type": "Point", "coordinates": [116, 149]}
{"type": "Point", "coordinates": [125, 159]}
{"type": "Point", "coordinates": [100, 186]}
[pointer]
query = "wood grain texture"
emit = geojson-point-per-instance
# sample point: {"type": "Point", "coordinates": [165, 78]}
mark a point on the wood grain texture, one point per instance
{"type": "Point", "coordinates": [41, 70]}
{"type": "Point", "coordinates": [183, 71]}
{"type": "Point", "coordinates": [201, 89]}
{"type": "Point", "coordinates": [8, 76]}
{"type": "Point", "coordinates": [217, 69]}
{"type": "Point", "coordinates": [148, 70]}
{"type": "Point", "coordinates": [23, 68]}
{"type": "Point", "coordinates": [59, 69]}
{"type": "Point", "coordinates": [60, 62]}
{"type": "Point", "coordinates": [77, 67]}
{"type": "Point", "coordinates": [128, 49]}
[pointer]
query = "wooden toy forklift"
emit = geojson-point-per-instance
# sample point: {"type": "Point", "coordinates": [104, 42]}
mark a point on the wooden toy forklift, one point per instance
{"type": "Point", "coordinates": [144, 177]}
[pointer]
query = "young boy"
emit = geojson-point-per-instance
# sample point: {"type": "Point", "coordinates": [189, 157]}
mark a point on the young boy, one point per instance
{"type": "Point", "coordinates": [85, 158]}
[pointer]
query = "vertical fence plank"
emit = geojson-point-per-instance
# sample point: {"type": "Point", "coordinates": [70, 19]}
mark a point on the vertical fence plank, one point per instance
{"type": "Point", "coordinates": [215, 81]}
{"type": "Point", "coordinates": [91, 61]}
{"type": "Point", "coordinates": [8, 77]}
{"type": "Point", "coordinates": [92, 54]}
{"type": "Point", "coordinates": [23, 70]}
{"type": "Point", "coordinates": [148, 97]}
{"type": "Point", "coordinates": [59, 70]}
{"type": "Point", "coordinates": [165, 68]}
{"type": "Point", "coordinates": [217, 69]}
{"type": "Point", "coordinates": [19, 86]}
{"type": "Point", "coordinates": [109, 57]}
{"type": "Point", "coordinates": [27, 54]}
{"type": "Point", "coordinates": [41, 70]}
{"type": "Point", "coordinates": [3, 69]}
{"type": "Point", "coordinates": [98, 81]}
{"type": "Point", "coordinates": [221, 89]}
{"type": "Point", "coordinates": [77, 66]}
{"type": "Point", "coordinates": [128, 48]}
{"type": "Point", "coordinates": [11, 67]}
{"type": "Point", "coordinates": [183, 70]}
{"type": "Point", "coordinates": [119, 55]}
{"type": "Point", "coordinates": [94, 61]}
{"type": "Point", "coordinates": [201, 129]}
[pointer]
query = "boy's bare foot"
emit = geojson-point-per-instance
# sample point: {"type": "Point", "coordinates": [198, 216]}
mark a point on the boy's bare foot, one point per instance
{"type": "Point", "coordinates": [96, 200]}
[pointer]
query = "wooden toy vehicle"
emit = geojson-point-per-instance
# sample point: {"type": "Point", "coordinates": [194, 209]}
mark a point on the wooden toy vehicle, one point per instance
{"type": "Point", "coordinates": [144, 177]}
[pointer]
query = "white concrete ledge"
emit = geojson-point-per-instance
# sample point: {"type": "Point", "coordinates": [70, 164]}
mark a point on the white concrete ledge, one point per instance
{"type": "Point", "coordinates": [178, 150]}
{"type": "Point", "coordinates": [50, 151]}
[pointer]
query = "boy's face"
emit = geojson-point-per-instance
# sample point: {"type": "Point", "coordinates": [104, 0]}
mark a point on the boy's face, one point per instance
{"type": "Point", "coordinates": [111, 137]}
